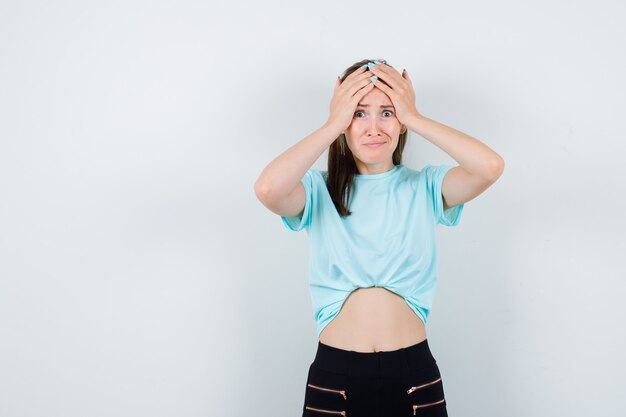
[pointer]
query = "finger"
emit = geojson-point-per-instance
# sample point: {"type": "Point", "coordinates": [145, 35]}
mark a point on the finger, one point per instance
{"type": "Point", "coordinates": [354, 81]}
{"type": "Point", "coordinates": [359, 95]}
{"type": "Point", "coordinates": [354, 74]}
{"type": "Point", "coordinates": [390, 75]}
{"type": "Point", "coordinates": [357, 85]}
{"type": "Point", "coordinates": [350, 77]}
{"type": "Point", "coordinates": [385, 69]}
{"type": "Point", "coordinates": [405, 75]}
{"type": "Point", "coordinates": [365, 75]}
{"type": "Point", "coordinates": [391, 93]}
{"type": "Point", "coordinates": [384, 88]}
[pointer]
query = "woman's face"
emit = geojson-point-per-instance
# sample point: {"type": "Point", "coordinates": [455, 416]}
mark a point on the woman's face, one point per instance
{"type": "Point", "coordinates": [374, 121]}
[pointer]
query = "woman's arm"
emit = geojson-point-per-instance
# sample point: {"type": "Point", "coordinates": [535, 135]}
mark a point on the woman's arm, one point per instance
{"type": "Point", "coordinates": [479, 166]}
{"type": "Point", "coordinates": [281, 176]}
{"type": "Point", "coordinates": [474, 156]}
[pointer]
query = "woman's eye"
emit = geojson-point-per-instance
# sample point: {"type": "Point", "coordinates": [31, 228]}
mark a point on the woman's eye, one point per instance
{"type": "Point", "coordinates": [386, 111]}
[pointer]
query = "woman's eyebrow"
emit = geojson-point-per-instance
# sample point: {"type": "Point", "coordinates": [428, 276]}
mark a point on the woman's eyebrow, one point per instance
{"type": "Point", "coordinates": [382, 107]}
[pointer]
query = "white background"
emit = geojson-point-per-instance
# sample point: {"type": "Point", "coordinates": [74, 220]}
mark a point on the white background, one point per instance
{"type": "Point", "coordinates": [140, 276]}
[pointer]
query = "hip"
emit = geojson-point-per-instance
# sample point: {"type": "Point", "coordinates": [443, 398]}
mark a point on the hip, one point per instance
{"type": "Point", "coordinates": [400, 382]}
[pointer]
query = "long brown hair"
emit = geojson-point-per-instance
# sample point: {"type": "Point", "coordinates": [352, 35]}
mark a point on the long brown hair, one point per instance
{"type": "Point", "coordinates": [341, 165]}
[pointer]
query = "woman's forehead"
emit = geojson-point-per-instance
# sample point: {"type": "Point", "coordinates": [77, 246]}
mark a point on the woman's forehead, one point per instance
{"type": "Point", "coordinates": [369, 104]}
{"type": "Point", "coordinates": [375, 100]}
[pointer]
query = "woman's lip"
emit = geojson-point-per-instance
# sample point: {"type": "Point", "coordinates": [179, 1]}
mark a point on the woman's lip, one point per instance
{"type": "Point", "coordinates": [374, 144]}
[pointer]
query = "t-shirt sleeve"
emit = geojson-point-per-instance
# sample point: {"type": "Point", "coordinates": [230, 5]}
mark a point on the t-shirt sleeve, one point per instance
{"type": "Point", "coordinates": [434, 182]}
{"type": "Point", "coordinates": [303, 221]}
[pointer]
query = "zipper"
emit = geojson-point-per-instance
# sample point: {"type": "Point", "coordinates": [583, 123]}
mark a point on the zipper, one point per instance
{"type": "Point", "coordinates": [342, 392]}
{"type": "Point", "coordinates": [410, 390]}
{"type": "Point", "coordinates": [343, 413]}
{"type": "Point", "coordinates": [415, 407]}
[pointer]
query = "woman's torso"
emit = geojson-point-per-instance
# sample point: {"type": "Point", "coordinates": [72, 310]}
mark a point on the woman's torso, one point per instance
{"type": "Point", "coordinates": [374, 319]}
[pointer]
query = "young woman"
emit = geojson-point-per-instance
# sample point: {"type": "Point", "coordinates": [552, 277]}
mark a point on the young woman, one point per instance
{"type": "Point", "coordinates": [371, 226]}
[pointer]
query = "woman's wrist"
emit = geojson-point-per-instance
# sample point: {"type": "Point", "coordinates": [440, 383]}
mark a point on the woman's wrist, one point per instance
{"type": "Point", "coordinates": [332, 129]}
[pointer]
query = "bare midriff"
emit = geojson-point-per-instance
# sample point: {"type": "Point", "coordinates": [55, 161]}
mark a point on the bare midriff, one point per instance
{"type": "Point", "coordinates": [374, 319]}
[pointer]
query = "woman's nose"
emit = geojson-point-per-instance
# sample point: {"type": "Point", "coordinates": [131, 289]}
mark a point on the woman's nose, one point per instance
{"type": "Point", "coordinates": [374, 125]}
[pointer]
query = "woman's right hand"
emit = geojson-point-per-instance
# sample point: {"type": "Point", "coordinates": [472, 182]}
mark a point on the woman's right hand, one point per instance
{"type": "Point", "coordinates": [346, 97]}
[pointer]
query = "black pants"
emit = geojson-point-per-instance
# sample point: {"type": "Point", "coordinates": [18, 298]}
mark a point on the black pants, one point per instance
{"type": "Point", "coordinates": [403, 382]}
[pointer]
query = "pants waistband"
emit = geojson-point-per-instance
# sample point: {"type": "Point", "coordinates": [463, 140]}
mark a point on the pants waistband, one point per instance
{"type": "Point", "coordinates": [374, 364]}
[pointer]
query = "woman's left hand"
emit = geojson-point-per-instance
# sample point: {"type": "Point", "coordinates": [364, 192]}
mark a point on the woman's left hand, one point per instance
{"type": "Point", "coordinates": [401, 92]}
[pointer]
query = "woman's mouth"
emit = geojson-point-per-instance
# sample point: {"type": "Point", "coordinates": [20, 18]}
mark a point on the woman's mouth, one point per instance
{"type": "Point", "coordinates": [374, 144]}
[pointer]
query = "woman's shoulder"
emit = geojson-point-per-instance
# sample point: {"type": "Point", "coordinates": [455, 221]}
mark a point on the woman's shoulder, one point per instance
{"type": "Point", "coordinates": [417, 174]}
{"type": "Point", "coordinates": [316, 177]}
{"type": "Point", "coordinates": [409, 173]}
{"type": "Point", "coordinates": [317, 173]}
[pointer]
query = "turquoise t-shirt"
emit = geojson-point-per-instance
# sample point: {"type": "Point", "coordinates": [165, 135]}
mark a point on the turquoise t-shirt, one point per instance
{"type": "Point", "coordinates": [388, 240]}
